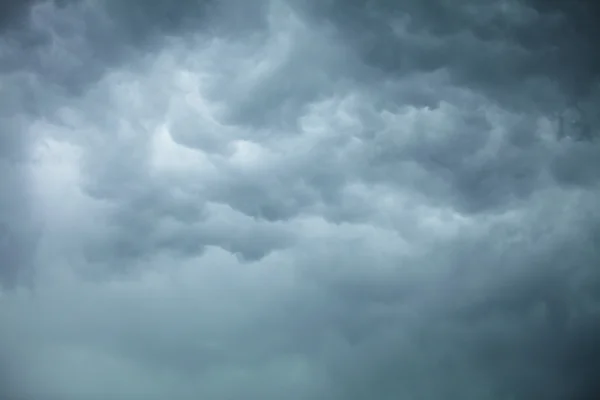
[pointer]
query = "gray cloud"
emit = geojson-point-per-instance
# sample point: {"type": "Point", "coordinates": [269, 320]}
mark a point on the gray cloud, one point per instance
{"type": "Point", "coordinates": [309, 200]}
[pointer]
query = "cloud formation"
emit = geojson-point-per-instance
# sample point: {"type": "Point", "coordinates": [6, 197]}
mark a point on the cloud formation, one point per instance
{"type": "Point", "coordinates": [298, 199]}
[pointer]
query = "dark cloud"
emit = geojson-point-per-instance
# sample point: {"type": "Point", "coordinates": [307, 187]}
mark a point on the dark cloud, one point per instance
{"type": "Point", "coordinates": [299, 199]}
{"type": "Point", "coordinates": [16, 239]}
{"type": "Point", "coordinates": [13, 14]}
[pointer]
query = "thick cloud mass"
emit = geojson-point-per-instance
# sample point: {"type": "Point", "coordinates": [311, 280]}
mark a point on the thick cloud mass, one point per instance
{"type": "Point", "coordinates": [299, 199]}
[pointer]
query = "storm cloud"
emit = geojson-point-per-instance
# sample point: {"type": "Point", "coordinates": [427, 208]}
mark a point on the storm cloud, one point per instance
{"type": "Point", "coordinates": [299, 199]}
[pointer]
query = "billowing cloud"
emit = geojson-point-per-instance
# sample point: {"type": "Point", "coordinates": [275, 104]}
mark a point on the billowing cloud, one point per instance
{"type": "Point", "coordinates": [298, 199]}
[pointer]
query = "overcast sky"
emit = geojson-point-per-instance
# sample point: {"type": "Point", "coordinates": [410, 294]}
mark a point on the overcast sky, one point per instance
{"type": "Point", "coordinates": [299, 199]}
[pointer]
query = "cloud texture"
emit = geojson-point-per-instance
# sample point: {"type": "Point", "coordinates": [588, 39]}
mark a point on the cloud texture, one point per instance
{"type": "Point", "coordinates": [299, 199]}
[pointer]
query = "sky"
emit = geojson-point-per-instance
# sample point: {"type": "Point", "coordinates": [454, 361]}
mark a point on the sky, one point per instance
{"type": "Point", "coordinates": [299, 199]}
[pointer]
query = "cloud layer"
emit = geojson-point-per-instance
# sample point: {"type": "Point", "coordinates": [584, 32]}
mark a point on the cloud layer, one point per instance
{"type": "Point", "coordinates": [299, 199]}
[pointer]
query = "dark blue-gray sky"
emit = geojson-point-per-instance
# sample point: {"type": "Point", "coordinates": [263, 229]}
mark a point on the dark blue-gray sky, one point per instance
{"type": "Point", "coordinates": [299, 199]}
